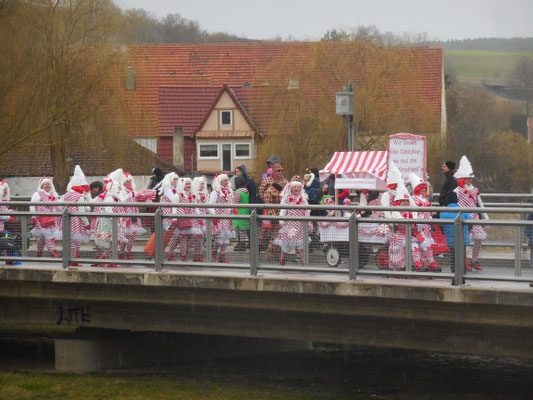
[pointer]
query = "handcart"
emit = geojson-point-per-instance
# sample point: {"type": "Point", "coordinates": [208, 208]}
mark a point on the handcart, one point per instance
{"type": "Point", "coordinates": [335, 237]}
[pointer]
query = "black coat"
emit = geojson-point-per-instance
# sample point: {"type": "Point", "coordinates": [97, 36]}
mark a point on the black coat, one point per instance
{"type": "Point", "coordinates": [449, 184]}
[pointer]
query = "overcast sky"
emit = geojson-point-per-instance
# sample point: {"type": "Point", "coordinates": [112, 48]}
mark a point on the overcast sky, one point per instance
{"type": "Point", "coordinates": [310, 19]}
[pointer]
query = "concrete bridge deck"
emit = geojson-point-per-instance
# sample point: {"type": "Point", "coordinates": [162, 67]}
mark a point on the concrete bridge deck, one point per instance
{"type": "Point", "coordinates": [483, 317]}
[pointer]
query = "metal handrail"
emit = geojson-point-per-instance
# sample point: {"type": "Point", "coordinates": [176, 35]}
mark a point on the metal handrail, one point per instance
{"type": "Point", "coordinates": [159, 261]}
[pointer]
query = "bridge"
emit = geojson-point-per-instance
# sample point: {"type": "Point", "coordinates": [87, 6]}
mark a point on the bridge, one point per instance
{"type": "Point", "coordinates": [306, 301]}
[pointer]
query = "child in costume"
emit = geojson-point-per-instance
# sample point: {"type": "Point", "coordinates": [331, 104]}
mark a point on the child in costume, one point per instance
{"type": "Point", "coordinates": [420, 193]}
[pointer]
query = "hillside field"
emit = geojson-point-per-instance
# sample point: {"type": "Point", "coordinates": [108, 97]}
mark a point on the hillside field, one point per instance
{"type": "Point", "coordinates": [477, 66]}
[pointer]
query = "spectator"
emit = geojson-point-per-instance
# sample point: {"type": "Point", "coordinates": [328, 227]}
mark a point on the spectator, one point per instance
{"type": "Point", "coordinates": [157, 176]}
{"type": "Point", "coordinates": [249, 183]}
{"type": "Point", "coordinates": [448, 167]}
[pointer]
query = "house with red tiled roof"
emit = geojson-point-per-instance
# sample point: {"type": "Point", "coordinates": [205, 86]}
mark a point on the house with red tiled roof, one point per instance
{"type": "Point", "coordinates": [206, 128]}
{"type": "Point", "coordinates": [197, 106]}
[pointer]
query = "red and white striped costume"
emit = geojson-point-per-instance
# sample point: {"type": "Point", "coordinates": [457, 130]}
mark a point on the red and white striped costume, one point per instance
{"type": "Point", "coordinates": [78, 225]}
{"type": "Point", "coordinates": [468, 197]}
{"type": "Point", "coordinates": [397, 240]}
{"type": "Point", "coordinates": [167, 191]}
{"type": "Point", "coordinates": [4, 196]}
{"type": "Point", "coordinates": [46, 236]}
{"type": "Point", "coordinates": [425, 230]}
{"type": "Point", "coordinates": [397, 244]}
{"type": "Point", "coordinates": [199, 189]}
{"type": "Point", "coordinates": [222, 229]}
{"type": "Point", "coordinates": [291, 232]}
{"type": "Point", "coordinates": [184, 236]}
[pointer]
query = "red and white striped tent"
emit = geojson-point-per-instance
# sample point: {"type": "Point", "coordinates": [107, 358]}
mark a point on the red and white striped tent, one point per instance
{"type": "Point", "coordinates": [358, 170]}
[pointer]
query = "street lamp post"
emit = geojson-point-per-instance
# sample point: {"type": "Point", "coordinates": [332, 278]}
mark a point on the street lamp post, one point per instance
{"type": "Point", "coordinates": [344, 107]}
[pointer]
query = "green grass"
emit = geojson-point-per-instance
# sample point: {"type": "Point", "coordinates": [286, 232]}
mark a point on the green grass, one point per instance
{"type": "Point", "coordinates": [491, 66]}
{"type": "Point", "coordinates": [37, 386]}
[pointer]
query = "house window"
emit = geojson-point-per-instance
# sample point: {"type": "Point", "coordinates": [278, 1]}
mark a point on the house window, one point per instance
{"type": "Point", "coordinates": [225, 118]}
{"type": "Point", "coordinates": [207, 151]}
{"type": "Point", "coordinates": [242, 150]}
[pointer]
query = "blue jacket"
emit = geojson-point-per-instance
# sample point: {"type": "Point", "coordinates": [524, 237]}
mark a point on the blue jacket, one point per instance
{"type": "Point", "coordinates": [313, 191]}
{"type": "Point", "coordinates": [449, 230]}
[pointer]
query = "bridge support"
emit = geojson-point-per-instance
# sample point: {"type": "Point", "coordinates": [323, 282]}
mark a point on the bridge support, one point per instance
{"type": "Point", "coordinates": [100, 349]}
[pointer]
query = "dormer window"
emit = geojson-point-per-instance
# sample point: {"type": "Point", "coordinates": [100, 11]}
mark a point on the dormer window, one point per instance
{"type": "Point", "coordinates": [225, 118]}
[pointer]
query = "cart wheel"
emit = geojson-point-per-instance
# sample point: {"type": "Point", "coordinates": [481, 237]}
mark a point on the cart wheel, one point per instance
{"type": "Point", "coordinates": [382, 258]}
{"type": "Point", "coordinates": [333, 258]}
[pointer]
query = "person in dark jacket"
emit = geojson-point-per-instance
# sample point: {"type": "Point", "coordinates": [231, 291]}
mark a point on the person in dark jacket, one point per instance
{"type": "Point", "coordinates": [249, 183]}
{"type": "Point", "coordinates": [314, 195]}
{"type": "Point", "coordinates": [448, 167]}
{"type": "Point", "coordinates": [157, 176]}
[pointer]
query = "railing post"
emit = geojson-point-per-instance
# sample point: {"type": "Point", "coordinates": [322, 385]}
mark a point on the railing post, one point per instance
{"type": "Point", "coordinates": [518, 251]}
{"type": "Point", "coordinates": [305, 260]}
{"type": "Point", "coordinates": [353, 246]}
{"type": "Point", "coordinates": [408, 247]}
{"type": "Point", "coordinates": [158, 243]}
{"type": "Point", "coordinates": [208, 238]}
{"type": "Point", "coordinates": [24, 234]}
{"type": "Point", "coordinates": [114, 238]}
{"type": "Point", "coordinates": [254, 243]}
{"type": "Point", "coordinates": [459, 244]}
{"type": "Point", "coordinates": [66, 238]}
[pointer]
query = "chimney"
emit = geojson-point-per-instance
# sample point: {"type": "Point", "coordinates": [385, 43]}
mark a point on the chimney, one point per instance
{"type": "Point", "coordinates": [130, 79]}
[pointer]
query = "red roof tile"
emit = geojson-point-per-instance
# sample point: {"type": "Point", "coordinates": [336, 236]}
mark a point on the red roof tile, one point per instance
{"type": "Point", "coordinates": [235, 64]}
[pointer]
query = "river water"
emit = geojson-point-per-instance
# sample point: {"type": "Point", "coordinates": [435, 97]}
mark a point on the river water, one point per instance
{"type": "Point", "coordinates": [333, 371]}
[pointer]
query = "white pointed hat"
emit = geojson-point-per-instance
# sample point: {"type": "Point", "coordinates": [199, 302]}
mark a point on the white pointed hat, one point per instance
{"type": "Point", "coordinates": [401, 193]}
{"type": "Point", "coordinates": [465, 169]}
{"type": "Point", "coordinates": [394, 176]}
{"type": "Point", "coordinates": [415, 181]}
{"type": "Point", "coordinates": [114, 181]}
{"type": "Point", "coordinates": [78, 178]}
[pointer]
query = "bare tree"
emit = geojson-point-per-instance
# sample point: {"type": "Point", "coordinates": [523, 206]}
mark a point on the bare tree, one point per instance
{"type": "Point", "coordinates": [521, 80]}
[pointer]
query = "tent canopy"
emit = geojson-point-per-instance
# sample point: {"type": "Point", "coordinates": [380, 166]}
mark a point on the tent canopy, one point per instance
{"type": "Point", "coordinates": [345, 162]}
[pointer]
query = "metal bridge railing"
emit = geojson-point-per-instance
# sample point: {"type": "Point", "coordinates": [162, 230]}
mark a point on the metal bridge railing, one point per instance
{"type": "Point", "coordinates": [340, 244]}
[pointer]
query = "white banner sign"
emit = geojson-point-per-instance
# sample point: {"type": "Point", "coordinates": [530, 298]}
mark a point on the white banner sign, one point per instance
{"type": "Point", "coordinates": [408, 153]}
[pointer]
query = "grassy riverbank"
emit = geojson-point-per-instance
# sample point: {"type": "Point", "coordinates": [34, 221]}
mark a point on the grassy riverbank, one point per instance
{"type": "Point", "coordinates": [33, 386]}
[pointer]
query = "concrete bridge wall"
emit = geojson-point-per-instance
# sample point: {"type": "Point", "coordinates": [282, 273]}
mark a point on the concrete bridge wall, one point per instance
{"type": "Point", "coordinates": [423, 315]}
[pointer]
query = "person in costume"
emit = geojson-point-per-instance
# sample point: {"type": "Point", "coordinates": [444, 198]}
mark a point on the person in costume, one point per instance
{"type": "Point", "coordinates": [397, 243]}
{"type": "Point", "coordinates": [103, 226]}
{"type": "Point", "coordinates": [46, 229]}
{"type": "Point", "coordinates": [468, 196]}
{"type": "Point", "coordinates": [5, 196]}
{"type": "Point", "coordinates": [394, 178]}
{"type": "Point", "coordinates": [167, 191]}
{"type": "Point", "coordinates": [78, 192]}
{"type": "Point", "coordinates": [186, 229]}
{"type": "Point", "coordinates": [132, 228]}
{"type": "Point", "coordinates": [272, 195]}
{"type": "Point", "coordinates": [199, 189]}
{"type": "Point", "coordinates": [222, 228]}
{"type": "Point", "coordinates": [420, 198]}
{"type": "Point", "coordinates": [291, 232]}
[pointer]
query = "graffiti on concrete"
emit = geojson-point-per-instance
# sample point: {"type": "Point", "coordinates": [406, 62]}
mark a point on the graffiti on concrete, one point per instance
{"type": "Point", "coordinates": [74, 315]}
